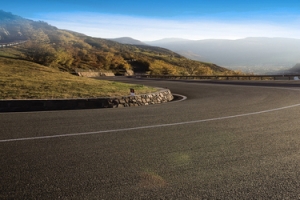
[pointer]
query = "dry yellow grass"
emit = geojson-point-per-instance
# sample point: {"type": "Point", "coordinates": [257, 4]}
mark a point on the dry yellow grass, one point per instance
{"type": "Point", "coordinates": [25, 80]}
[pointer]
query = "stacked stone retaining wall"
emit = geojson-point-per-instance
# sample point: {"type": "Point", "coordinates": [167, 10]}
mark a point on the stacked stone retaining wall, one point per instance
{"type": "Point", "coordinates": [95, 74]}
{"type": "Point", "coordinates": [161, 96]}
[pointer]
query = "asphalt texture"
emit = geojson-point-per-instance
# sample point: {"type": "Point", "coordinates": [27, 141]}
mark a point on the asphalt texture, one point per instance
{"type": "Point", "coordinates": [227, 140]}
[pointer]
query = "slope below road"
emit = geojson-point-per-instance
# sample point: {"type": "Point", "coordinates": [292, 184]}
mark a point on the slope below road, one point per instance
{"type": "Point", "coordinates": [226, 141]}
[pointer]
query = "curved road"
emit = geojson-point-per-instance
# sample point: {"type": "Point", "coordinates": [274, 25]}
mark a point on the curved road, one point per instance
{"type": "Point", "coordinates": [228, 140]}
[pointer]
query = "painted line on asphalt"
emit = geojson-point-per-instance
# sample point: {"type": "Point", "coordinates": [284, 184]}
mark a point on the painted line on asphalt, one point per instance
{"type": "Point", "coordinates": [179, 95]}
{"type": "Point", "coordinates": [148, 127]}
{"type": "Point", "coordinates": [183, 98]}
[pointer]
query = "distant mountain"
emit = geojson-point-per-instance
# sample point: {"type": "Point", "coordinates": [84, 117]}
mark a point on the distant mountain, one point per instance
{"type": "Point", "coordinates": [128, 40]}
{"type": "Point", "coordinates": [70, 51]}
{"type": "Point", "coordinates": [259, 55]}
{"type": "Point", "coordinates": [294, 70]}
{"type": "Point", "coordinates": [166, 40]}
{"type": "Point", "coordinates": [10, 30]}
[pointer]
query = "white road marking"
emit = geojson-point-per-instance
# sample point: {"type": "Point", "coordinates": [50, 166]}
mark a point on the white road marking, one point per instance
{"type": "Point", "coordinates": [162, 125]}
{"type": "Point", "coordinates": [183, 98]}
{"type": "Point", "coordinates": [148, 127]}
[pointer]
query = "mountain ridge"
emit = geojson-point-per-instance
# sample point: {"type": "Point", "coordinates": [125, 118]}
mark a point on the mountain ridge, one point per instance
{"type": "Point", "coordinates": [69, 50]}
{"type": "Point", "coordinates": [128, 40]}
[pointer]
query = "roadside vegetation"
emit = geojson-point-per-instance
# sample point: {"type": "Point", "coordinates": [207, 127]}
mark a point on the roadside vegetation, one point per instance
{"type": "Point", "coordinates": [41, 67]}
{"type": "Point", "coordinates": [26, 80]}
{"type": "Point", "coordinates": [68, 51]}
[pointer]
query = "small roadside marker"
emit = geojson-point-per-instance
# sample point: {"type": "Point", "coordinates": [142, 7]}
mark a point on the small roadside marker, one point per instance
{"type": "Point", "coordinates": [132, 92]}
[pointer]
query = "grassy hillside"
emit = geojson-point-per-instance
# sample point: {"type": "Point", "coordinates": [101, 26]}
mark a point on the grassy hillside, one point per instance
{"type": "Point", "coordinates": [26, 80]}
{"type": "Point", "coordinates": [40, 68]}
{"type": "Point", "coordinates": [67, 51]}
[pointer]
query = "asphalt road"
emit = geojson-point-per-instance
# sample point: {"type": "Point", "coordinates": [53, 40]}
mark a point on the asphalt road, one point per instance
{"type": "Point", "coordinates": [228, 140]}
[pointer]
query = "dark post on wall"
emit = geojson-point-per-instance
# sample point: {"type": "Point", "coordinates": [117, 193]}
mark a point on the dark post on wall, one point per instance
{"type": "Point", "coordinates": [132, 92]}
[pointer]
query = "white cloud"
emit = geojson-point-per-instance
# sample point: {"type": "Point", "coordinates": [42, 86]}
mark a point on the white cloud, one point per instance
{"type": "Point", "coordinates": [147, 29]}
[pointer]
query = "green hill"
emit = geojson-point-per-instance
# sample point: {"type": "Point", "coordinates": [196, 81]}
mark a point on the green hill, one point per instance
{"type": "Point", "coordinates": [68, 51]}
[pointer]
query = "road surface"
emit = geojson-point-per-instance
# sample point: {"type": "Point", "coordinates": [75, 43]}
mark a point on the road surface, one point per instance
{"type": "Point", "coordinates": [228, 140]}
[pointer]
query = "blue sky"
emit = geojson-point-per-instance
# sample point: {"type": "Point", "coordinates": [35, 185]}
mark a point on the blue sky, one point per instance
{"type": "Point", "coordinates": [156, 19]}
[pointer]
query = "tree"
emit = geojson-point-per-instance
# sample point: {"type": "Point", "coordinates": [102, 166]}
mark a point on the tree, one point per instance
{"type": "Point", "coordinates": [39, 36]}
{"type": "Point", "coordinates": [40, 53]}
{"type": "Point", "coordinates": [64, 58]}
{"type": "Point", "coordinates": [204, 71]}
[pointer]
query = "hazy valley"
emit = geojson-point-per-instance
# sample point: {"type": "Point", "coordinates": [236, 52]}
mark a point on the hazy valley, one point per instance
{"type": "Point", "coordinates": [68, 51]}
{"type": "Point", "coordinates": [251, 55]}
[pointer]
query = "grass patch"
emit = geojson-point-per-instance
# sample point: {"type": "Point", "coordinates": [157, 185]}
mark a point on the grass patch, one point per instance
{"type": "Point", "coordinates": [9, 53]}
{"type": "Point", "coordinates": [26, 80]}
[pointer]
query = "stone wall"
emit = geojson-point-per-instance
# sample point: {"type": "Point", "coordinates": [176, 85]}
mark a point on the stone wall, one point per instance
{"type": "Point", "coordinates": [161, 96]}
{"type": "Point", "coordinates": [95, 74]}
